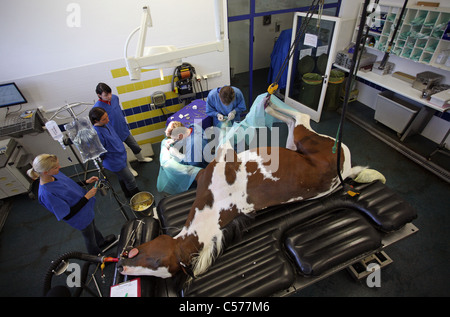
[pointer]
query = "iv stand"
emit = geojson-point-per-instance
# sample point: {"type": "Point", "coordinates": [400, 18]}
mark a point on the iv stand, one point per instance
{"type": "Point", "coordinates": [68, 108]}
{"type": "Point", "coordinates": [97, 162]}
{"type": "Point", "coordinates": [100, 168]}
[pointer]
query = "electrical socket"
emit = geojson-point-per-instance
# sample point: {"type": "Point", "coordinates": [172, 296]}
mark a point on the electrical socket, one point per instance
{"type": "Point", "coordinates": [214, 74]}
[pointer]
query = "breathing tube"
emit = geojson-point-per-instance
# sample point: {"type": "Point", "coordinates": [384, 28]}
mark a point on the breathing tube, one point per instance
{"type": "Point", "coordinates": [73, 255]}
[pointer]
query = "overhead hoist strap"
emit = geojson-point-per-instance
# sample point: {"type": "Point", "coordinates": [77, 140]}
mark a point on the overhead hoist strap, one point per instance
{"type": "Point", "coordinates": [313, 7]}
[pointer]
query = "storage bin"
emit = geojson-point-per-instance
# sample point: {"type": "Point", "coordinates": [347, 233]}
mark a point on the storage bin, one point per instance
{"type": "Point", "coordinates": [395, 111]}
{"type": "Point", "coordinates": [334, 86]}
{"type": "Point", "coordinates": [310, 90]}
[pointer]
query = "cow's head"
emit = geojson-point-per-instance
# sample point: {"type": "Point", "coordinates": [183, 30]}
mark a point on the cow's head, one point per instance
{"type": "Point", "coordinates": [158, 257]}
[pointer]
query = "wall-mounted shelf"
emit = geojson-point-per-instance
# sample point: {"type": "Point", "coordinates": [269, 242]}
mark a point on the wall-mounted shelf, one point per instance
{"type": "Point", "coordinates": [401, 88]}
{"type": "Point", "coordinates": [423, 35]}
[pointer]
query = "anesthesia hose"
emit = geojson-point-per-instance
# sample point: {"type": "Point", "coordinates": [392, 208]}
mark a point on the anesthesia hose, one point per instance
{"type": "Point", "coordinates": [72, 255]}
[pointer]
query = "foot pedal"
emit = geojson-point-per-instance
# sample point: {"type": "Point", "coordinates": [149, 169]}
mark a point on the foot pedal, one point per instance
{"type": "Point", "coordinates": [359, 269]}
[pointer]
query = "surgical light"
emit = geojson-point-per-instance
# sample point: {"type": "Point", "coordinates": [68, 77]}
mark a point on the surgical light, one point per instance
{"type": "Point", "coordinates": [154, 57]}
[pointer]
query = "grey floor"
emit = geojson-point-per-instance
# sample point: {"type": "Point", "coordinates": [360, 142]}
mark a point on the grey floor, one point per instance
{"type": "Point", "coordinates": [31, 237]}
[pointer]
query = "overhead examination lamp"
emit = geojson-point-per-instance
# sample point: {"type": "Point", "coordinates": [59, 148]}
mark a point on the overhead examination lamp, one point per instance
{"type": "Point", "coordinates": [151, 57]}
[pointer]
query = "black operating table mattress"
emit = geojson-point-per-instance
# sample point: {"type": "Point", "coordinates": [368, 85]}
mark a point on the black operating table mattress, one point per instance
{"type": "Point", "coordinates": [283, 248]}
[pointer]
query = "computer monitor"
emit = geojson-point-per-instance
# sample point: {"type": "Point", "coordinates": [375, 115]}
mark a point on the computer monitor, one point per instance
{"type": "Point", "coordinates": [10, 95]}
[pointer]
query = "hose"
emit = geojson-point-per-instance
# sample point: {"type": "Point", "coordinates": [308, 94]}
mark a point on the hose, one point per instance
{"type": "Point", "coordinates": [72, 255]}
{"type": "Point", "coordinates": [347, 92]}
{"type": "Point", "coordinates": [301, 31]}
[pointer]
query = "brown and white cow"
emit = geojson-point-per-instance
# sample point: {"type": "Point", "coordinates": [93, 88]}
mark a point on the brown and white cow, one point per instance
{"type": "Point", "coordinates": [242, 185]}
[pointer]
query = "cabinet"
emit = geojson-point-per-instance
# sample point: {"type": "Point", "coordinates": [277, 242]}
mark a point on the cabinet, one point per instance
{"type": "Point", "coordinates": [395, 111]}
{"type": "Point", "coordinates": [423, 35]}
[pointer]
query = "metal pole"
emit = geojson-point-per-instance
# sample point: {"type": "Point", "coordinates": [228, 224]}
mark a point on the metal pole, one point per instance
{"type": "Point", "coordinates": [348, 88]}
{"type": "Point", "coordinates": [388, 49]}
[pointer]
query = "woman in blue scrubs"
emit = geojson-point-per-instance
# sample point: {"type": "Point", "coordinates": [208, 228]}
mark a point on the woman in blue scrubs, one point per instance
{"type": "Point", "coordinates": [68, 201]}
{"type": "Point", "coordinates": [111, 104]}
{"type": "Point", "coordinates": [115, 159]}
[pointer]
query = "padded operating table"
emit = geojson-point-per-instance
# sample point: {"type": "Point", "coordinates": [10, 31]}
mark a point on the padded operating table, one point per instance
{"type": "Point", "coordinates": [281, 249]}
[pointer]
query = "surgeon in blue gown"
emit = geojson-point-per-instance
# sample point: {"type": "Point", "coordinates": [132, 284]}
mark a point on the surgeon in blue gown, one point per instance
{"type": "Point", "coordinates": [115, 159]}
{"type": "Point", "coordinates": [68, 201]}
{"type": "Point", "coordinates": [225, 105]}
{"type": "Point", "coordinates": [188, 142]}
{"type": "Point", "coordinates": [181, 157]}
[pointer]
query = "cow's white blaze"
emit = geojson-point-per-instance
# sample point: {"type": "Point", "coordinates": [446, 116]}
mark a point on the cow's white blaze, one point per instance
{"type": "Point", "coordinates": [206, 222]}
{"type": "Point", "coordinates": [161, 271]}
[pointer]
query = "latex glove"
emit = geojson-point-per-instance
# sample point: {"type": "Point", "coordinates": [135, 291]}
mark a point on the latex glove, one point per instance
{"type": "Point", "coordinates": [169, 143]}
{"type": "Point", "coordinates": [231, 115]}
{"type": "Point", "coordinates": [176, 154]}
{"type": "Point", "coordinates": [220, 117]}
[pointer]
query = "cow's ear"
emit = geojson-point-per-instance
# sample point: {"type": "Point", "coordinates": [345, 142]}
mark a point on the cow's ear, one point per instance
{"type": "Point", "coordinates": [132, 253]}
{"type": "Point", "coordinates": [187, 269]}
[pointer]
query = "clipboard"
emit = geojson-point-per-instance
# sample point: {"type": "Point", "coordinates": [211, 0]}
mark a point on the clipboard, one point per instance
{"type": "Point", "coordinates": [131, 288]}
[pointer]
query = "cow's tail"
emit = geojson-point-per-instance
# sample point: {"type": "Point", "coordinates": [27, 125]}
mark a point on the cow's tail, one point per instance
{"type": "Point", "coordinates": [355, 171]}
{"type": "Point", "coordinates": [347, 169]}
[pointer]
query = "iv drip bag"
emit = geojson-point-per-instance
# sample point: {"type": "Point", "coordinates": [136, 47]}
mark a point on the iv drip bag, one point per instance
{"type": "Point", "coordinates": [55, 132]}
{"type": "Point", "coordinates": [85, 138]}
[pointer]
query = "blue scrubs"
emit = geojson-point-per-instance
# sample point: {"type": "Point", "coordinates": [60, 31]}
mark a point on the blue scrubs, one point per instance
{"type": "Point", "coordinates": [177, 175]}
{"type": "Point", "coordinates": [63, 193]}
{"type": "Point", "coordinates": [214, 106]}
{"type": "Point", "coordinates": [255, 118]}
{"type": "Point", "coordinates": [174, 177]}
{"type": "Point", "coordinates": [115, 159]}
{"type": "Point", "coordinates": [193, 147]}
{"type": "Point", "coordinates": [116, 117]}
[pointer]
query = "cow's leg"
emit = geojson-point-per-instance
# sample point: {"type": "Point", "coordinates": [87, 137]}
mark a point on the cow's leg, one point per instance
{"type": "Point", "coordinates": [298, 130]}
{"type": "Point", "coordinates": [290, 123]}
{"type": "Point", "coordinates": [300, 118]}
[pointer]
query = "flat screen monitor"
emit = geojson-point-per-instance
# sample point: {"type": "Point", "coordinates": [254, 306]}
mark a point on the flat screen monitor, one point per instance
{"type": "Point", "coordinates": [10, 95]}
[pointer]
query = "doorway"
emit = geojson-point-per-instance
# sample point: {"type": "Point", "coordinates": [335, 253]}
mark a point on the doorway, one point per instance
{"type": "Point", "coordinates": [254, 26]}
{"type": "Point", "coordinates": [310, 67]}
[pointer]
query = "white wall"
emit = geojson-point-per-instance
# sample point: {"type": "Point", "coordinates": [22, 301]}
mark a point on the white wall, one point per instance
{"type": "Point", "coordinates": [265, 37]}
{"type": "Point", "coordinates": [38, 37]}
{"type": "Point", "coordinates": [58, 50]}
{"type": "Point", "coordinates": [349, 9]}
